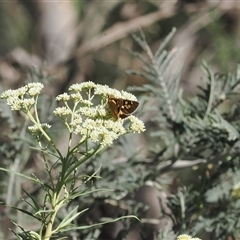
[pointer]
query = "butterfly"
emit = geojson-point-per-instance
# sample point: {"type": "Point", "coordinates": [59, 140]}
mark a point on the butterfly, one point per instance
{"type": "Point", "coordinates": [121, 108]}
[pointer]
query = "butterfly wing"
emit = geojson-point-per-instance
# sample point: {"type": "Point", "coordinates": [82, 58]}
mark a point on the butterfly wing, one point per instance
{"type": "Point", "coordinates": [121, 108]}
{"type": "Point", "coordinates": [127, 108]}
{"type": "Point", "coordinates": [115, 105]}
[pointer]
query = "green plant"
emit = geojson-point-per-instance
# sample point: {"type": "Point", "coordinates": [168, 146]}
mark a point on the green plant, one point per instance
{"type": "Point", "coordinates": [200, 132]}
{"type": "Point", "coordinates": [85, 114]}
{"type": "Point", "coordinates": [195, 139]}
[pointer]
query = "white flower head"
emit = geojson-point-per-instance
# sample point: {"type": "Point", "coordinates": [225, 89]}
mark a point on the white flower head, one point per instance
{"type": "Point", "coordinates": [101, 111]}
{"type": "Point", "coordinates": [22, 98]}
{"type": "Point", "coordinates": [136, 125]}
{"type": "Point", "coordinates": [106, 91]}
{"type": "Point", "coordinates": [186, 237]}
{"type": "Point", "coordinates": [90, 112]}
{"type": "Point", "coordinates": [35, 130]}
{"type": "Point", "coordinates": [63, 97]}
{"type": "Point", "coordinates": [127, 95]}
{"type": "Point", "coordinates": [85, 110]}
{"type": "Point", "coordinates": [62, 111]}
{"type": "Point", "coordinates": [76, 96]}
{"type": "Point", "coordinates": [34, 88]}
{"type": "Point", "coordinates": [91, 116]}
{"type": "Point", "coordinates": [77, 120]}
{"type": "Point", "coordinates": [100, 130]}
{"type": "Point", "coordinates": [78, 87]}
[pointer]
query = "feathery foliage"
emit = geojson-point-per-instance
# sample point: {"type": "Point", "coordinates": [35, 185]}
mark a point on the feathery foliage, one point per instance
{"type": "Point", "coordinates": [192, 150]}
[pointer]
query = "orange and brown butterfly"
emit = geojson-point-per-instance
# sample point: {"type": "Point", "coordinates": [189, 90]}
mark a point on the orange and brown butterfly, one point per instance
{"type": "Point", "coordinates": [121, 108]}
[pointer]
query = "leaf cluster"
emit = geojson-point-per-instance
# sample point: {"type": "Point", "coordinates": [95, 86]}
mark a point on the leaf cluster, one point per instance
{"type": "Point", "coordinates": [186, 133]}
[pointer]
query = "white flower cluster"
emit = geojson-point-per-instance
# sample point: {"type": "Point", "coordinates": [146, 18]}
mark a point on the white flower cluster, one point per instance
{"type": "Point", "coordinates": [186, 237]}
{"type": "Point", "coordinates": [84, 111]}
{"type": "Point", "coordinates": [36, 129]}
{"type": "Point", "coordinates": [104, 90]}
{"type": "Point", "coordinates": [89, 116]}
{"type": "Point", "coordinates": [22, 98]}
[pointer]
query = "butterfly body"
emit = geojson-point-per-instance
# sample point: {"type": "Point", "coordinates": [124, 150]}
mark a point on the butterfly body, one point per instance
{"type": "Point", "coordinates": [121, 108]}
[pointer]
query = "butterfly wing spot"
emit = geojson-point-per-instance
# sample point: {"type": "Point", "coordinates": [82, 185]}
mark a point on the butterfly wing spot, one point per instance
{"type": "Point", "coordinates": [129, 107]}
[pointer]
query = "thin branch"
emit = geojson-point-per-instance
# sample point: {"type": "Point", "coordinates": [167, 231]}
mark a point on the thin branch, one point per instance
{"type": "Point", "coordinates": [211, 95]}
{"type": "Point", "coordinates": [121, 30]}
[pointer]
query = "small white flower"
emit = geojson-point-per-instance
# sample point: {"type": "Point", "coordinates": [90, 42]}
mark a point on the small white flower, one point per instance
{"type": "Point", "coordinates": [136, 125]}
{"type": "Point", "coordinates": [87, 103]}
{"type": "Point", "coordinates": [89, 124]}
{"type": "Point", "coordinates": [77, 87]}
{"type": "Point", "coordinates": [77, 120]}
{"type": "Point", "coordinates": [236, 186]}
{"type": "Point", "coordinates": [76, 96]}
{"type": "Point", "coordinates": [115, 126]}
{"type": "Point", "coordinates": [106, 90]}
{"type": "Point", "coordinates": [62, 111]}
{"type": "Point", "coordinates": [9, 94]}
{"type": "Point", "coordinates": [107, 137]}
{"type": "Point", "coordinates": [45, 125]}
{"type": "Point", "coordinates": [14, 103]}
{"type": "Point", "coordinates": [34, 88]}
{"type": "Point", "coordinates": [184, 237]}
{"type": "Point", "coordinates": [63, 97]}
{"type": "Point", "coordinates": [101, 110]}
{"type": "Point", "coordinates": [88, 111]}
{"type": "Point", "coordinates": [127, 95]}
{"type": "Point", "coordinates": [36, 129]}
{"type": "Point", "coordinates": [103, 136]}
{"type": "Point", "coordinates": [27, 103]}
{"type": "Point", "coordinates": [20, 91]}
{"type": "Point", "coordinates": [20, 104]}
{"type": "Point", "coordinates": [22, 98]}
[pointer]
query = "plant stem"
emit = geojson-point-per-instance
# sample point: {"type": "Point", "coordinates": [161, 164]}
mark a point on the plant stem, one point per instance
{"type": "Point", "coordinates": [56, 205]}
